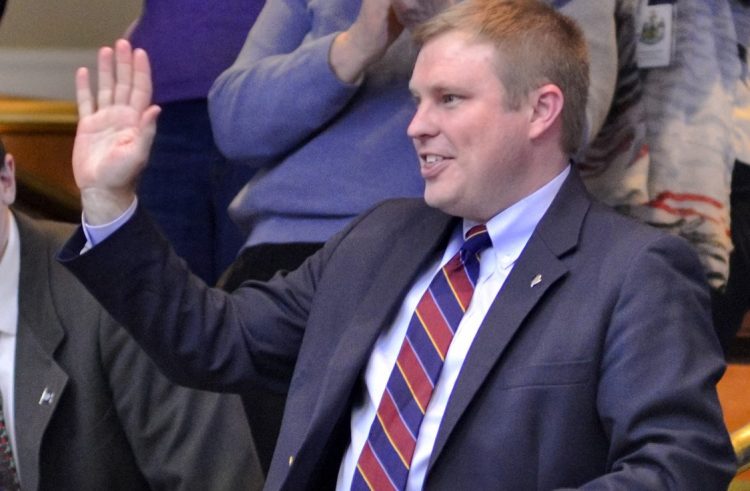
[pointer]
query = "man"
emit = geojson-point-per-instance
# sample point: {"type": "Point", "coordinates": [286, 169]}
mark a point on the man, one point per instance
{"type": "Point", "coordinates": [330, 73]}
{"type": "Point", "coordinates": [585, 358]}
{"type": "Point", "coordinates": [84, 407]}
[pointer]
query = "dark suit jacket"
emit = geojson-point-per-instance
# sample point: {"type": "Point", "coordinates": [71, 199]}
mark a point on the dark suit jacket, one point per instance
{"type": "Point", "coordinates": [108, 420]}
{"type": "Point", "coordinates": [603, 373]}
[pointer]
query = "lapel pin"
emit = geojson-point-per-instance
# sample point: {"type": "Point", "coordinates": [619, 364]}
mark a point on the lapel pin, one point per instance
{"type": "Point", "coordinates": [47, 397]}
{"type": "Point", "coordinates": [536, 280]}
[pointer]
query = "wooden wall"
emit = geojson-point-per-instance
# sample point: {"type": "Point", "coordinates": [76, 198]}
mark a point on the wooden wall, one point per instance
{"type": "Point", "coordinates": [40, 136]}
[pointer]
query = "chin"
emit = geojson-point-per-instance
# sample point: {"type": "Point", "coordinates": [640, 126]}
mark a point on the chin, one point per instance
{"type": "Point", "coordinates": [441, 203]}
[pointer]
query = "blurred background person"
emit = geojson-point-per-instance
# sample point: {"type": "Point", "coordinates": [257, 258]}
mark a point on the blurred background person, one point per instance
{"type": "Point", "coordinates": [188, 183]}
{"type": "Point", "coordinates": [83, 407]}
{"type": "Point", "coordinates": [666, 152]}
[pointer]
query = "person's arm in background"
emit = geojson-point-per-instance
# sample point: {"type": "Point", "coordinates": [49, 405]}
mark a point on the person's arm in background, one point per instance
{"type": "Point", "coordinates": [293, 77]}
{"type": "Point", "coordinates": [282, 88]}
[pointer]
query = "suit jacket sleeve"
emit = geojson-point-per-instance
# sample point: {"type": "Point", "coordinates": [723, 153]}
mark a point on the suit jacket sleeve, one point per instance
{"type": "Point", "coordinates": [661, 361]}
{"type": "Point", "coordinates": [210, 344]}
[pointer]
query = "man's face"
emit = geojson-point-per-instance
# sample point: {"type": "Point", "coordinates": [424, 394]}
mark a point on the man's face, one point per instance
{"type": "Point", "coordinates": [471, 148]}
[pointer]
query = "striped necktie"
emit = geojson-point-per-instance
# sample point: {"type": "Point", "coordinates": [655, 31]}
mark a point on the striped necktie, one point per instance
{"type": "Point", "coordinates": [386, 457]}
{"type": "Point", "coordinates": [8, 474]}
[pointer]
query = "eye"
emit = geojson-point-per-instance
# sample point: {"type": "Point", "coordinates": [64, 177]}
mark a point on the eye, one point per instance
{"type": "Point", "coordinates": [449, 99]}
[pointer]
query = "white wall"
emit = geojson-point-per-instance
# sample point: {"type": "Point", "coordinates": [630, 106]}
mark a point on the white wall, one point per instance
{"type": "Point", "coordinates": [42, 42]}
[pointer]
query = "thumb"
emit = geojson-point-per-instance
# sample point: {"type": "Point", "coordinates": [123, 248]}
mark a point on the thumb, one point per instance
{"type": "Point", "coordinates": [147, 126]}
{"type": "Point", "coordinates": [148, 119]}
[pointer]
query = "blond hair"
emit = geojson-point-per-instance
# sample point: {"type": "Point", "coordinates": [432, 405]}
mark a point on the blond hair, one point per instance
{"type": "Point", "coordinates": [536, 44]}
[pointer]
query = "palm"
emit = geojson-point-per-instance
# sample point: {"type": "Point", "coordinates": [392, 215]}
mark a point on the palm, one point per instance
{"type": "Point", "coordinates": [109, 148]}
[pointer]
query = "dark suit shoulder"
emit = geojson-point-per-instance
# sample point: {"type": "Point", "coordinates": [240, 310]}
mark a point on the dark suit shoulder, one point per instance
{"type": "Point", "coordinates": [40, 241]}
{"type": "Point", "coordinates": [51, 232]}
{"type": "Point", "coordinates": [401, 216]}
{"type": "Point", "coordinates": [402, 209]}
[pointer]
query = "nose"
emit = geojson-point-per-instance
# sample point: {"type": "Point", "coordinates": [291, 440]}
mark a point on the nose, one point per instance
{"type": "Point", "coordinates": [422, 124]}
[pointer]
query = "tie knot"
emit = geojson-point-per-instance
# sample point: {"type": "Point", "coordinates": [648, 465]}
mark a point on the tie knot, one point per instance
{"type": "Point", "coordinates": [477, 239]}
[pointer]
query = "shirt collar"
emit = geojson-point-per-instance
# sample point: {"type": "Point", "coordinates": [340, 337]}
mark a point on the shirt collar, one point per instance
{"type": "Point", "coordinates": [511, 229]}
{"type": "Point", "coordinates": [10, 267]}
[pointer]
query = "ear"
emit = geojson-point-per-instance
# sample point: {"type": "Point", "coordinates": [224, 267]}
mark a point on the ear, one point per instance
{"type": "Point", "coordinates": [546, 105]}
{"type": "Point", "coordinates": [8, 181]}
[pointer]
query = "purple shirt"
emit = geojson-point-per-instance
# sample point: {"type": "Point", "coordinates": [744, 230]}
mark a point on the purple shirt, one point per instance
{"type": "Point", "coordinates": [190, 42]}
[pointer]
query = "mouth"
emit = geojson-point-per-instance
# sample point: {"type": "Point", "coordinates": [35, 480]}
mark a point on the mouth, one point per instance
{"type": "Point", "coordinates": [432, 164]}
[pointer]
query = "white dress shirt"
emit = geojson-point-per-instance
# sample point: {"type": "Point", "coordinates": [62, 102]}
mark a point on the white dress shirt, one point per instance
{"type": "Point", "coordinates": [510, 230]}
{"type": "Point", "coordinates": [10, 267]}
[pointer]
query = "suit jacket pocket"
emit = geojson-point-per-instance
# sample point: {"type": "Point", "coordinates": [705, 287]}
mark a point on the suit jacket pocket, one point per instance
{"type": "Point", "coordinates": [559, 373]}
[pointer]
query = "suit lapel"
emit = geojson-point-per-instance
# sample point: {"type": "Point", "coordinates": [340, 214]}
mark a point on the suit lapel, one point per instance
{"type": "Point", "coordinates": [537, 269]}
{"type": "Point", "coordinates": [39, 381]}
{"type": "Point", "coordinates": [389, 286]}
{"type": "Point", "coordinates": [424, 241]}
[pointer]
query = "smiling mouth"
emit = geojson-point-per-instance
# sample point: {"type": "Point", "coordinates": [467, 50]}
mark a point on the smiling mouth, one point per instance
{"type": "Point", "coordinates": [431, 159]}
{"type": "Point", "coordinates": [432, 165]}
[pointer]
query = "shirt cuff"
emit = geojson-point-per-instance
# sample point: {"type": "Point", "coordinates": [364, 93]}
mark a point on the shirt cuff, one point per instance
{"type": "Point", "coordinates": [95, 234]}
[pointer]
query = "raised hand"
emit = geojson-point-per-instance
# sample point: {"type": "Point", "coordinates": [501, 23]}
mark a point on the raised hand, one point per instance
{"type": "Point", "coordinates": [366, 40]}
{"type": "Point", "coordinates": [115, 131]}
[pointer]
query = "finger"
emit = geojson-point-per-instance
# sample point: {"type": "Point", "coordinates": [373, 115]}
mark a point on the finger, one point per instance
{"type": "Point", "coordinates": [83, 93]}
{"type": "Point", "coordinates": [148, 129]}
{"type": "Point", "coordinates": [106, 77]}
{"type": "Point", "coordinates": [140, 96]}
{"type": "Point", "coordinates": [148, 121]}
{"type": "Point", "coordinates": [124, 65]}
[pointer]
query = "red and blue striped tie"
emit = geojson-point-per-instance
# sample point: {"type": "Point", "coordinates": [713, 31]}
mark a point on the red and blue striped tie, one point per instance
{"type": "Point", "coordinates": [8, 473]}
{"type": "Point", "coordinates": [386, 457]}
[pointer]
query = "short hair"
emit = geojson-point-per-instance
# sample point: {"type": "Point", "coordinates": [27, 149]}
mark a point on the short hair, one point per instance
{"type": "Point", "coordinates": [537, 45]}
{"type": "Point", "coordinates": [2, 154]}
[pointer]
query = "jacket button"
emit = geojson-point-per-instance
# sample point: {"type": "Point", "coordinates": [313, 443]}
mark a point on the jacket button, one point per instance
{"type": "Point", "coordinates": [291, 460]}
